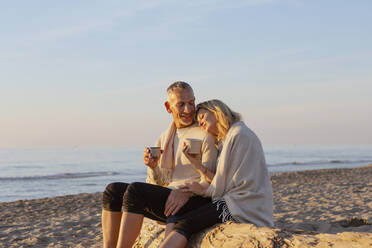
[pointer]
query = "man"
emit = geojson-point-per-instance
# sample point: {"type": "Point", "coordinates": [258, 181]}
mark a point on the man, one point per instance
{"type": "Point", "coordinates": [171, 170]}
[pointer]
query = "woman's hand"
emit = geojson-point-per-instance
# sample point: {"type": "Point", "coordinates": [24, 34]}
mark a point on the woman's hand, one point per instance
{"type": "Point", "coordinates": [198, 166]}
{"type": "Point", "coordinates": [194, 187]}
{"type": "Point", "coordinates": [194, 159]}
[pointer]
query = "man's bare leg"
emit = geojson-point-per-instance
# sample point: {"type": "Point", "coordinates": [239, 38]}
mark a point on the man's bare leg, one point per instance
{"type": "Point", "coordinates": [129, 229]}
{"type": "Point", "coordinates": [110, 228]}
{"type": "Point", "coordinates": [174, 240]}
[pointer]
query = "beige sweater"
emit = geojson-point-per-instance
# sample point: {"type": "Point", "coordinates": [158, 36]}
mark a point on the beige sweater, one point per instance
{"type": "Point", "coordinates": [242, 178]}
{"type": "Point", "coordinates": [183, 170]}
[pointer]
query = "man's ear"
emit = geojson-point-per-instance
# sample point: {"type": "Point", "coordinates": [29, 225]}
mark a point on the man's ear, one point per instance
{"type": "Point", "coordinates": [167, 106]}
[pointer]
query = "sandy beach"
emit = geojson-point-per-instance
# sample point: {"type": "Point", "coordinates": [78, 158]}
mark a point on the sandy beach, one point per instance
{"type": "Point", "coordinates": [322, 201]}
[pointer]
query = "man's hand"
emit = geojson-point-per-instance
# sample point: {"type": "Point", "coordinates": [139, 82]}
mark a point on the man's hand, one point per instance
{"type": "Point", "coordinates": [148, 159]}
{"type": "Point", "coordinates": [175, 201]}
{"type": "Point", "coordinates": [195, 188]}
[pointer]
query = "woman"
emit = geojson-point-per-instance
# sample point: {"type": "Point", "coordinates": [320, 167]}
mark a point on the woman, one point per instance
{"type": "Point", "coordinates": [240, 190]}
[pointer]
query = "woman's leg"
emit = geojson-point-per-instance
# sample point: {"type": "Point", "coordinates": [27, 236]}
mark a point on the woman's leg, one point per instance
{"type": "Point", "coordinates": [168, 228]}
{"type": "Point", "coordinates": [193, 203]}
{"type": "Point", "coordinates": [174, 240]}
{"type": "Point", "coordinates": [194, 222]}
{"type": "Point", "coordinates": [111, 213]}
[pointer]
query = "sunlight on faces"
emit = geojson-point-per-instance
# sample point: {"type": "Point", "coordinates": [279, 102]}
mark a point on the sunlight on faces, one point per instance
{"type": "Point", "coordinates": [181, 104]}
{"type": "Point", "coordinates": [207, 121]}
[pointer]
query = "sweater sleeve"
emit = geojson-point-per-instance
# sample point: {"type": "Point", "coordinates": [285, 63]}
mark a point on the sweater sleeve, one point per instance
{"type": "Point", "coordinates": [218, 184]}
{"type": "Point", "coordinates": [247, 159]}
{"type": "Point", "coordinates": [209, 153]}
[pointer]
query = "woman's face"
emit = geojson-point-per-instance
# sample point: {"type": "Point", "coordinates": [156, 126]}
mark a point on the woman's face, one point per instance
{"type": "Point", "coordinates": [207, 121]}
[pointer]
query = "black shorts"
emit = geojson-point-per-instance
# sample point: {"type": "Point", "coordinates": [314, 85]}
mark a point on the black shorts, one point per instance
{"type": "Point", "coordinates": [203, 217]}
{"type": "Point", "coordinates": [149, 200]}
{"type": "Point", "coordinates": [146, 199]}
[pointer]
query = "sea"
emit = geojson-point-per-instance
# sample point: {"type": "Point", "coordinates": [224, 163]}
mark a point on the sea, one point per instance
{"type": "Point", "coordinates": [38, 173]}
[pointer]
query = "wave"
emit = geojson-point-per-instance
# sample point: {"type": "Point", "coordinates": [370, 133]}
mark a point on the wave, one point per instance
{"type": "Point", "coordinates": [61, 176]}
{"type": "Point", "coordinates": [320, 162]}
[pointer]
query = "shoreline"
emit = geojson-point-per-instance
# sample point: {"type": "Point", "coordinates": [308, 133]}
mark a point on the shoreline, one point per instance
{"type": "Point", "coordinates": [322, 201]}
{"type": "Point", "coordinates": [271, 174]}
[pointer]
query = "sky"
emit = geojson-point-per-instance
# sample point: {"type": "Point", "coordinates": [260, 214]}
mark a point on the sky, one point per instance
{"type": "Point", "coordinates": [94, 73]}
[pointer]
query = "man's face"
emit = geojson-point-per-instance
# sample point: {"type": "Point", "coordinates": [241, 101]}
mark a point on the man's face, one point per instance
{"type": "Point", "coordinates": [181, 104]}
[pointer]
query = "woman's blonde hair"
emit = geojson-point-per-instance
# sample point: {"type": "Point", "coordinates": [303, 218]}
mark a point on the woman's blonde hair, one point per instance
{"type": "Point", "coordinates": [224, 115]}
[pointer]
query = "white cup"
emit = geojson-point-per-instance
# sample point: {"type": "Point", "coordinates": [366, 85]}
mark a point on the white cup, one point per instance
{"type": "Point", "coordinates": [155, 151]}
{"type": "Point", "coordinates": [194, 144]}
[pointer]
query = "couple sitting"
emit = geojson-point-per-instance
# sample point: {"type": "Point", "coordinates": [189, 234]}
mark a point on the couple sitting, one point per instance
{"type": "Point", "coordinates": [228, 181]}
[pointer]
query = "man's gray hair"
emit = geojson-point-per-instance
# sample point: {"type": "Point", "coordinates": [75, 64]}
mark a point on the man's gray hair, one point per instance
{"type": "Point", "coordinates": [178, 85]}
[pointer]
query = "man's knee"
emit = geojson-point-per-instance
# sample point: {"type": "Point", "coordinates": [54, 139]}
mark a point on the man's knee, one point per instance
{"type": "Point", "coordinates": [133, 201]}
{"type": "Point", "coordinates": [113, 196]}
{"type": "Point", "coordinates": [133, 193]}
{"type": "Point", "coordinates": [134, 188]}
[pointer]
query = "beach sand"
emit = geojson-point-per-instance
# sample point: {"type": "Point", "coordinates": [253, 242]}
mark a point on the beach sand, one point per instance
{"type": "Point", "coordinates": [321, 201]}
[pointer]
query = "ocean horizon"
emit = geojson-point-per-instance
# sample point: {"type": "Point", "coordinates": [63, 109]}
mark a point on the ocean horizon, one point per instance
{"type": "Point", "coordinates": [41, 172]}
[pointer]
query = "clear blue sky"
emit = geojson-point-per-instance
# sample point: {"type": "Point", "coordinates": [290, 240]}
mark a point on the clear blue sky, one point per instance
{"type": "Point", "coordinates": [94, 73]}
